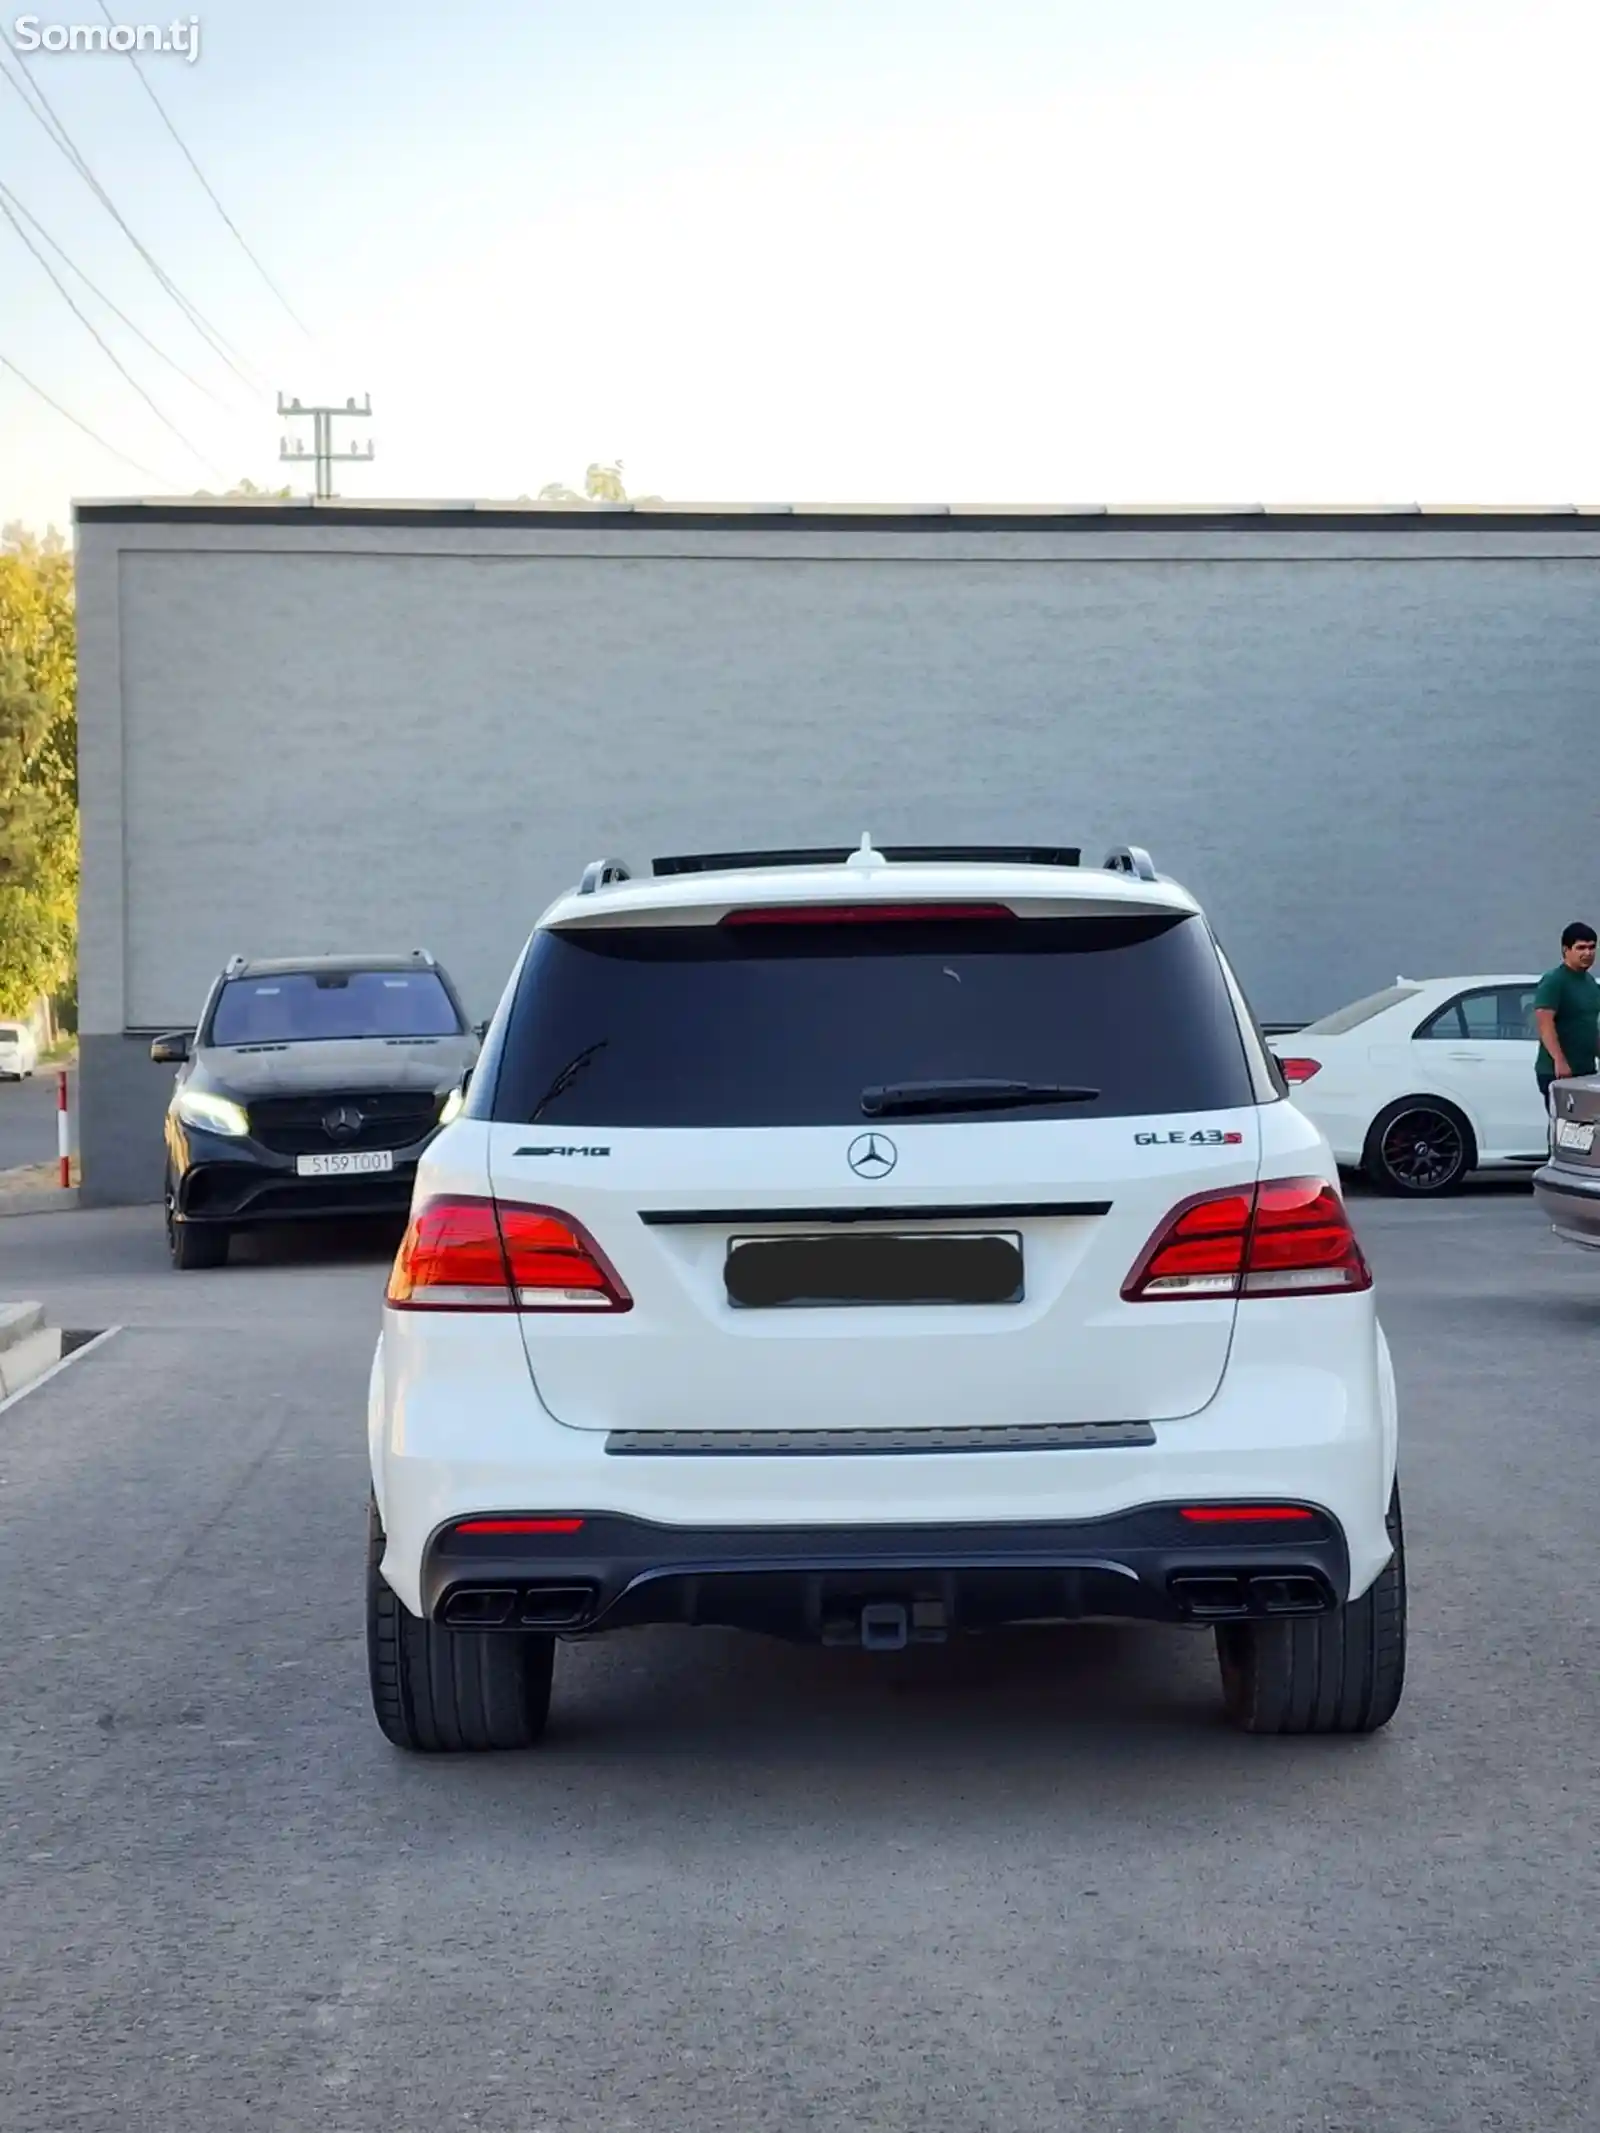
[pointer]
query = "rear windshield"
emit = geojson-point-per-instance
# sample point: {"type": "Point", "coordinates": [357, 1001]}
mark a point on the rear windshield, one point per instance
{"type": "Point", "coordinates": [9, 1033]}
{"type": "Point", "coordinates": [787, 1025]}
{"type": "Point", "coordinates": [1359, 1011]}
{"type": "Point", "coordinates": [324, 1006]}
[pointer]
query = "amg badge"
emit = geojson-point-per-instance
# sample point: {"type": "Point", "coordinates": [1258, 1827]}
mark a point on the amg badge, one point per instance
{"type": "Point", "coordinates": [561, 1151]}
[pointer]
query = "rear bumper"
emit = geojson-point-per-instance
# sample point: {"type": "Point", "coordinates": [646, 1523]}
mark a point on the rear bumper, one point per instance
{"type": "Point", "coordinates": [455, 1431]}
{"type": "Point", "coordinates": [883, 1585]}
{"type": "Point", "coordinates": [1570, 1201]}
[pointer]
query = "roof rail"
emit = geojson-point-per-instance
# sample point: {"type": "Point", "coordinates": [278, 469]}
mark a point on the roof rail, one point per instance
{"type": "Point", "coordinates": [1131, 859]}
{"type": "Point", "coordinates": [599, 872]}
{"type": "Point", "coordinates": [234, 965]}
{"type": "Point", "coordinates": [1017, 855]}
{"type": "Point", "coordinates": [421, 955]}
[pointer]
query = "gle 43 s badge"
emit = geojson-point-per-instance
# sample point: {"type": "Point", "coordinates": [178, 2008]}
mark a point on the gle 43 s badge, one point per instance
{"type": "Point", "coordinates": [1207, 1137]}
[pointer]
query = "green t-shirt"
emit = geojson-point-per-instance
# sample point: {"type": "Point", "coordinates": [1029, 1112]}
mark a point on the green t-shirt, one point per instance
{"type": "Point", "coordinates": [1573, 998]}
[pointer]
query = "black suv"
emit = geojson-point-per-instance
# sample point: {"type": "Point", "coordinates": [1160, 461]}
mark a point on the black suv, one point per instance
{"type": "Point", "coordinates": [310, 1087]}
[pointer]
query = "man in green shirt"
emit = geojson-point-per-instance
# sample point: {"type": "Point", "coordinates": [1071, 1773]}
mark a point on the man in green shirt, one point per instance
{"type": "Point", "coordinates": [1567, 1010]}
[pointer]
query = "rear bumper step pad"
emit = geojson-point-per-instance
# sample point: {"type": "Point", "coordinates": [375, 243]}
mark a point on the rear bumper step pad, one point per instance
{"type": "Point", "coordinates": [832, 1443]}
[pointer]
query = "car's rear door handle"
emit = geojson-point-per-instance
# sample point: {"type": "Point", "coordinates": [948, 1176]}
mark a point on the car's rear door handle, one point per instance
{"type": "Point", "coordinates": [1477, 1056]}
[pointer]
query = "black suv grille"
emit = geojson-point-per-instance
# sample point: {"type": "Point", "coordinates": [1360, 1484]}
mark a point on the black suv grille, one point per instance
{"type": "Point", "coordinates": [358, 1118]}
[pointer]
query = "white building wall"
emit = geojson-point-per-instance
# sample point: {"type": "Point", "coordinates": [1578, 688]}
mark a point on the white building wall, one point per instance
{"type": "Point", "coordinates": [374, 729]}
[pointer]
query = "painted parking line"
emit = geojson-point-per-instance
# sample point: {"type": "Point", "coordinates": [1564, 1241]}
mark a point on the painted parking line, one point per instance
{"type": "Point", "coordinates": [74, 1355]}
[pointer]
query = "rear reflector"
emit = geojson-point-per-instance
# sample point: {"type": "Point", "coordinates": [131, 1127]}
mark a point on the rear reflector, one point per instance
{"type": "Point", "coordinates": [1289, 1237]}
{"type": "Point", "coordinates": [462, 1253]}
{"type": "Point", "coordinates": [1241, 1514]}
{"type": "Point", "coordinates": [862, 914]}
{"type": "Point", "coordinates": [1296, 1071]}
{"type": "Point", "coordinates": [526, 1525]}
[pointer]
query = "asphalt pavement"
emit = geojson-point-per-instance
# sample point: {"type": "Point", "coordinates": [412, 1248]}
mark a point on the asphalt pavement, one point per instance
{"type": "Point", "coordinates": [987, 1889]}
{"type": "Point", "coordinates": [28, 1119]}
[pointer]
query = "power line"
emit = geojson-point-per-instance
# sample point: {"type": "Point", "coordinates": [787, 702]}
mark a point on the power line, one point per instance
{"type": "Point", "coordinates": [44, 111]}
{"type": "Point", "coordinates": [50, 119]}
{"type": "Point", "coordinates": [62, 254]}
{"type": "Point", "coordinates": [66, 413]}
{"type": "Point", "coordinates": [78, 311]}
{"type": "Point", "coordinates": [41, 108]}
{"type": "Point", "coordinates": [166, 121]}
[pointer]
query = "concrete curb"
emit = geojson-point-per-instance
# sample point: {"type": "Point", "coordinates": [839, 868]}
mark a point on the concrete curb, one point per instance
{"type": "Point", "coordinates": [18, 1320]}
{"type": "Point", "coordinates": [28, 1347]}
{"type": "Point", "coordinates": [59, 1202]}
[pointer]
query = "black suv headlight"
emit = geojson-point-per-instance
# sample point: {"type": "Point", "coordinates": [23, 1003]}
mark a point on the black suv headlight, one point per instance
{"type": "Point", "coordinates": [212, 1113]}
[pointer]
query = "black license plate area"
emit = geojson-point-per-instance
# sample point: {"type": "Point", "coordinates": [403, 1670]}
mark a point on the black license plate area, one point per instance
{"type": "Point", "coordinates": [906, 1268]}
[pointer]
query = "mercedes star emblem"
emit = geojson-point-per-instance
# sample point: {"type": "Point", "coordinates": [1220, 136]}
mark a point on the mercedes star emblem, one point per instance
{"type": "Point", "coordinates": [872, 1155]}
{"type": "Point", "coordinates": [343, 1123]}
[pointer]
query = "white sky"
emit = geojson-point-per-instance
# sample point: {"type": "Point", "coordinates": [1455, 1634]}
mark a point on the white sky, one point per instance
{"type": "Point", "coordinates": [967, 250]}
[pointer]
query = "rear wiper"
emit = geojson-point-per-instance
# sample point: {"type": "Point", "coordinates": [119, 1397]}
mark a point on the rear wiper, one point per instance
{"type": "Point", "coordinates": [567, 1076]}
{"type": "Point", "coordinates": [900, 1099]}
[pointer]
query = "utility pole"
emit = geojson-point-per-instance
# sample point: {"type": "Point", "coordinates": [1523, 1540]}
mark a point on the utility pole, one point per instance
{"type": "Point", "coordinates": [322, 451]}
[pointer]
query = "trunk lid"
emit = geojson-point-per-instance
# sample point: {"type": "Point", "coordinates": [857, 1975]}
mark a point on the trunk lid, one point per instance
{"type": "Point", "coordinates": [1080, 1198]}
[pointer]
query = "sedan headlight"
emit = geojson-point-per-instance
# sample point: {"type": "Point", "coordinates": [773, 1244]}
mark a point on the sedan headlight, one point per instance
{"type": "Point", "coordinates": [212, 1114]}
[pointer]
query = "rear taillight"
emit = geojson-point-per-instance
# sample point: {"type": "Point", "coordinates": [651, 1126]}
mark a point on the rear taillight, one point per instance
{"type": "Point", "coordinates": [862, 914]}
{"type": "Point", "coordinates": [1302, 1241]}
{"type": "Point", "coordinates": [1297, 1070]}
{"type": "Point", "coordinates": [1237, 1514]}
{"type": "Point", "coordinates": [1290, 1237]}
{"type": "Point", "coordinates": [502, 1526]}
{"type": "Point", "coordinates": [468, 1254]}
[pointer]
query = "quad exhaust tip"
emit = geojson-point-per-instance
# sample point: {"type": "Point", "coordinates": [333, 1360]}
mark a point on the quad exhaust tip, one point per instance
{"type": "Point", "coordinates": [556, 1606]}
{"type": "Point", "coordinates": [481, 1607]}
{"type": "Point", "coordinates": [518, 1607]}
{"type": "Point", "coordinates": [1223, 1596]}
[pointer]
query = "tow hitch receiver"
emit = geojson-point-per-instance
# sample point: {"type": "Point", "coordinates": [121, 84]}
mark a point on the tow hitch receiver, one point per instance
{"type": "Point", "coordinates": [887, 1625]}
{"type": "Point", "coordinates": [884, 1627]}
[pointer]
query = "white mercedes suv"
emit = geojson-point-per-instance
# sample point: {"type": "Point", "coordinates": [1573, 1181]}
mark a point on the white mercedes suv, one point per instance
{"type": "Point", "coordinates": [874, 1247]}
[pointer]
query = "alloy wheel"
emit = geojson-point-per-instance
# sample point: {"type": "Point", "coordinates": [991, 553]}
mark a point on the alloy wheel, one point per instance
{"type": "Point", "coordinates": [1423, 1150]}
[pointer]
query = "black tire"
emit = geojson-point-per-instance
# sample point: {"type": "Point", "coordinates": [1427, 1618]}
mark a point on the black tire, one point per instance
{"type": "Point", "coordinates": [192, 1247]}
{"type": "Point", "coordinates": [439, 1691]}
{"type": "Point", "coordinates": [1419, 1148]}
{"type": "Point", "coordinates": [1338, 1673]}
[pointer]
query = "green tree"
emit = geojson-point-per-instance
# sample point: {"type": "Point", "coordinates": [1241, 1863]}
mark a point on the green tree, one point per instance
{"type": "Point", "coordinates": [602, 484]}
{"type": "Point", "coordinates": [38, 767]}
{"type": "Point", "coordinates": [244, 486]}
{"type": "Point", "coordinates": [24, 807]}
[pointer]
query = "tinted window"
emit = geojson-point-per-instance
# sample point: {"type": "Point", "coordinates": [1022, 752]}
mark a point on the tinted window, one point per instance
{"type": "Point", "coordinates": [1348, 1018]}
{"type": "Point", "coordinates": [786, 1025]}
{"type": "Point", "coordinates": [1502, 1014]}
{"type": "Point", "coordinates": [307, 1006]}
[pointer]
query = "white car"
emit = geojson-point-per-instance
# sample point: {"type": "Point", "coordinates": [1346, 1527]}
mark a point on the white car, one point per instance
{"type": "Point", "coordinates": [871, 1248]}
{"type": "Point", "coordinates": [19, 1053]}
{"type": "Point", "coordinates": [1426, 1082]}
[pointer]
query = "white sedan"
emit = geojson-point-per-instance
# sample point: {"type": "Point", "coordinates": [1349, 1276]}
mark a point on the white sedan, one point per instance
{"type": "Point", "coordinates": [1426, 1082]}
